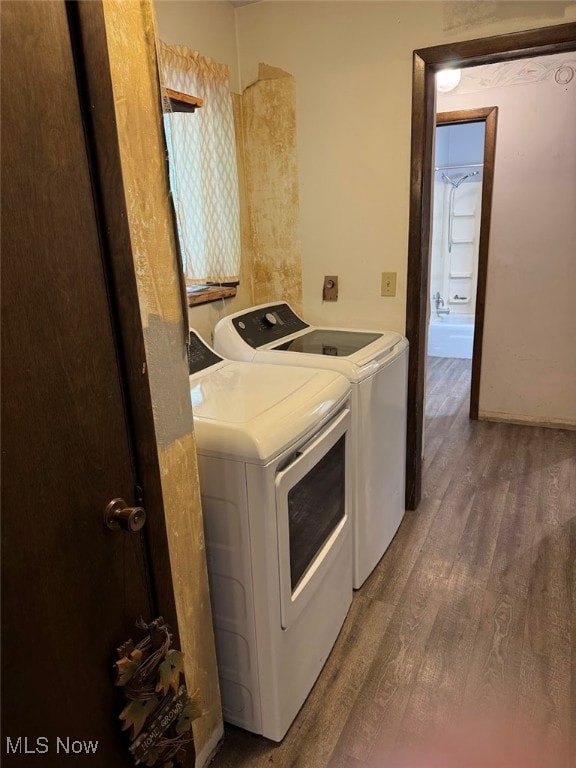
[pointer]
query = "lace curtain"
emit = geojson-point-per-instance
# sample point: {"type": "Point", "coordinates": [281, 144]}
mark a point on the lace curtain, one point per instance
{"type": "Point", "coordinates": [203, 170]}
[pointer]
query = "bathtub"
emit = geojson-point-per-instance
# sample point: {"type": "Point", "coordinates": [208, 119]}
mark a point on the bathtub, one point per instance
{"type": "Point", "coordinates": [450, 335]}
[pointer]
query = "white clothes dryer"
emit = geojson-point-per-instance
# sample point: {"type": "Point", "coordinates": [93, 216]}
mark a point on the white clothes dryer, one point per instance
{"type": "Point", "coordinates": [273, 455]}
{"type": "Point", "coordinates": [376, 365]}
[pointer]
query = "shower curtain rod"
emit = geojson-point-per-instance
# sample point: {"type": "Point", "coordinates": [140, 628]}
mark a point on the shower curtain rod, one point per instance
{"type": "Point", "coordinates": [457, 167]}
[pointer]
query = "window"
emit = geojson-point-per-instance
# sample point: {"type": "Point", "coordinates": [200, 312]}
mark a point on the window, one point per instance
{"type": "Point", "coordinates": [203, 169]}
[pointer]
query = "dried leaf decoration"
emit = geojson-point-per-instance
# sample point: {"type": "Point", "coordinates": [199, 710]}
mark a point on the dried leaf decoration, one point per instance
{"type": "Point", "coordinates": [191, 712]}
{"type": "Point", "coordinates": [159, 711]}
{"type": "Point", "coordinates": [170, 670]}
{"type": "Point", "coordinates": [135, 714]}
{"type": "Point", "coordinates": [127, 666]}
{"type": "Point", "coordinates": [153, 757]}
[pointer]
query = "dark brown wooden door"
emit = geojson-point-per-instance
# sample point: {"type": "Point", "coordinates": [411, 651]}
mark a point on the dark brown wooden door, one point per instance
{"type": "Point", "coordinates": [71, 589]}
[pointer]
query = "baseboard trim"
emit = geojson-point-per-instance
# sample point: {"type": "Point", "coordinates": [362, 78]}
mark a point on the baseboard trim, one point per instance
{"type": "Point", "coordinates": [526, 421]}
{"type": "Point", "coordinates": [210, 748]}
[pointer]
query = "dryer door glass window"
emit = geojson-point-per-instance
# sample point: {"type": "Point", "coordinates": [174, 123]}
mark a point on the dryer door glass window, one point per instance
{"type": "Point", "coordinates": [316, 504]}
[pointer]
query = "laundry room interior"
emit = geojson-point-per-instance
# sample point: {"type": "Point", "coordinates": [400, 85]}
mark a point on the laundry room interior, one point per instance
{"type": "Point", "coordinates": [324, 193]}
{"type": "Point", "coordinates": [356, 295]}
{"type": "Point", "coordinates": [323, 162]}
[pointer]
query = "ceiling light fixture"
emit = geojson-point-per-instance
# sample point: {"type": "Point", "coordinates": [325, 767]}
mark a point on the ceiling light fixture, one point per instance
{"type": "Point", "coordinates": [447, 79]}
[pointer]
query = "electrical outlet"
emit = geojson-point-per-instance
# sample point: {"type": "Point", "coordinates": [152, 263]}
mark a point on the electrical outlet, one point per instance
{"type": "Point", "coordinates": [388, 284]}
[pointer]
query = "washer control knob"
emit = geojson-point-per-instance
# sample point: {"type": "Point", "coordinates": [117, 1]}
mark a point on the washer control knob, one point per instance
{"type": "Point", "coordinates": [270, 319]}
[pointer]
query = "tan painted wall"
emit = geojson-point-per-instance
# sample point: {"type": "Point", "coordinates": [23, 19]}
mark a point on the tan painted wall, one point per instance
{"type": "Point", "coordinates": [352, 63]}
{"type": "Point", "coordinates": [132, 62]}
{"type": "Point", "coordinates": [529, 354]}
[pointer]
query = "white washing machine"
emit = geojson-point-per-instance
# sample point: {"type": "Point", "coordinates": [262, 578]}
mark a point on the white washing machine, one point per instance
{"type": "Point", "coordinates": [274, 456]}
{"type": "Point", "coordinates": [376, 365]}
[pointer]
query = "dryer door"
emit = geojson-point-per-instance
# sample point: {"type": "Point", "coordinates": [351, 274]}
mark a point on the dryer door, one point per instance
{"type": "Point", "coordinates": [312, 503]}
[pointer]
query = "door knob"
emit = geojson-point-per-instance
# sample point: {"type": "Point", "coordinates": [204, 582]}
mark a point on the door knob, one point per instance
{"type": "Point", "coordinates": [118, 516]}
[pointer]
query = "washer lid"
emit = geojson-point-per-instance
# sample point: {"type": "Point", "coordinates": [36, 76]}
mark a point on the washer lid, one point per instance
{"type": "Point", "coordinates": [254, 412]}
{"type": "Point", "coordinates": [273, 333]}
{"type": "Point", "coordinates": [357, 366]}
{"type": "Point", "coordinates": [330, 341]}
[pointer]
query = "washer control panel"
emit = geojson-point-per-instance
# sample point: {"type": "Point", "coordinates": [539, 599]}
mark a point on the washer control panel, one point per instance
{"type": "Point", "coordinates": [199, 355]}
{"type": "Point", "coordinates": [267, 324]}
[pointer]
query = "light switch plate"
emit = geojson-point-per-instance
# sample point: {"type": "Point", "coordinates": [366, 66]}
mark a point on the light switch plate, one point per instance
{"type": "Point", "coordinates": [388, 284]}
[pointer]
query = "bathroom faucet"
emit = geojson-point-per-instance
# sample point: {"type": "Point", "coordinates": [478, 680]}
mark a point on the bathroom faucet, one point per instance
{"type": "Point", "coordinates": [439, 302]}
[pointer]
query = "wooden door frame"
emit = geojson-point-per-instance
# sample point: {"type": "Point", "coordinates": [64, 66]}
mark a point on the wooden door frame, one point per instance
{"type": "Point", "coordinates": [426, 62]}
{"type": "Point", "coordinates": [88, 34]}
{"type": "Point", "coordinates": [488, 116]}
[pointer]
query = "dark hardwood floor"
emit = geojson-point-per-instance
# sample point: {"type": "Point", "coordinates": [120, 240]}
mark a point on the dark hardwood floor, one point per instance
{"type": "Point", "coordinates": [470, 617]}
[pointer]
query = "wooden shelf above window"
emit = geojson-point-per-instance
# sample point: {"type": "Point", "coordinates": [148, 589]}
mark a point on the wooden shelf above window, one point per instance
{"type": "Point", "coordinates": [175, 101]}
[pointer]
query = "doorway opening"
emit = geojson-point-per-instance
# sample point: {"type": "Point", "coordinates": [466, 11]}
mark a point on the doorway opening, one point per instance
{"type": "Point", "coordinates": [463, 181]}
{"type": "Point", "coordinates": [457, 207]}
{"type": "Point", "coordinates": [426, 63]}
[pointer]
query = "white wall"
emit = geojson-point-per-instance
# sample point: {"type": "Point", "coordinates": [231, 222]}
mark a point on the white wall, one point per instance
{"type": "Point", "coordinates": [529, 354]}
{"type": "Point", "coordinates": [207, 27]}
{"type": "Point", "coordinates": [353, 66]}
